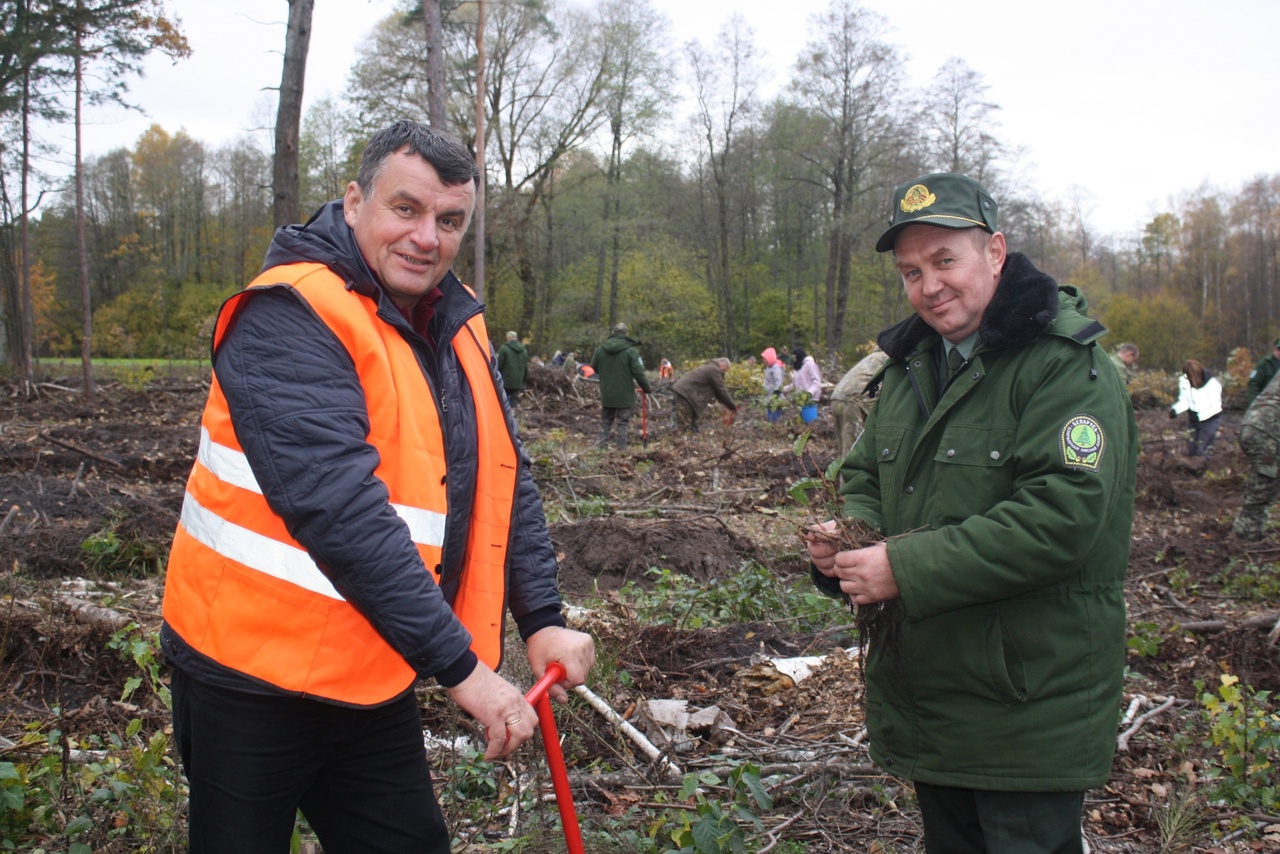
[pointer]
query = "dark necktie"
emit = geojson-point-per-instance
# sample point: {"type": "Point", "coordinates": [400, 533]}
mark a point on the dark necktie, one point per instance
{"type": "Point", "coordinates": [954, 362]}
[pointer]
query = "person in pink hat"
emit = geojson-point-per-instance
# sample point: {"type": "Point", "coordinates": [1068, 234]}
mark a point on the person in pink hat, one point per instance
{"type": "Point", "coordinates": [774, 372]}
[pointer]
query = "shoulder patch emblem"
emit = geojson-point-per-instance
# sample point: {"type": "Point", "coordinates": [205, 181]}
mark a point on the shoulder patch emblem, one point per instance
{"type": "Point", "coordinates": [1082, 443]}
{"type": "Point", "coordinates": [917, 199]}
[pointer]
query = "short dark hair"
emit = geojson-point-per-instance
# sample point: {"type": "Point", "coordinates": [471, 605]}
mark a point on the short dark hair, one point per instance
{"type": "Point", "coordinates": [452, 162]}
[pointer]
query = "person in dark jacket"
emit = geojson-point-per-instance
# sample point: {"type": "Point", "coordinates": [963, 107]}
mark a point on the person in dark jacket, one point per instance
{"type": "Point", "coordinates": [998, 469]}
{"type": "Point", "coordinates": [694, 391]}
{"type": "Point", "coordinates": [361, 515]}
{"type": "Point", "coordinates": [619, 369]}
{"type": "Point", "coordinates": [513, 364]}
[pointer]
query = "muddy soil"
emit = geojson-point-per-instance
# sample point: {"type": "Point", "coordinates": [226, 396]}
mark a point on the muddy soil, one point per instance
{"type": "Point", "coordinates": [90, 489]}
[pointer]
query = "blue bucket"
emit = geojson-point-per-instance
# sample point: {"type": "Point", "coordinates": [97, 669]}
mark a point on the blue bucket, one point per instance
{"type": "Point", "coordinates": [809, 413]}
{"type": "Point", "coordinates": [773, 414]}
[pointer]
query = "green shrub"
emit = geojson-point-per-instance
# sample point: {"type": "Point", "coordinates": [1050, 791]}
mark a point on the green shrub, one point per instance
{"type": "Point", "coordinates": [1246, 734]}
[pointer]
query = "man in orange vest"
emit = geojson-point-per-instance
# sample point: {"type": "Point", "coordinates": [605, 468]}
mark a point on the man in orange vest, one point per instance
{"type": "Point", "coordinates": [360, 515]}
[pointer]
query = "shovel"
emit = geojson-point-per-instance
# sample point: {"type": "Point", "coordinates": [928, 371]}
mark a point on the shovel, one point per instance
{"type": "Point", "coordinates": [541, 702]}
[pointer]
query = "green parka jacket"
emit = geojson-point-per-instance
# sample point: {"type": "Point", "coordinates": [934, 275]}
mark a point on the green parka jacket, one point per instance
{"type": "Point", "coordinates": [617, 364]}
{"type": "Point", "coordinates": [513, 364]}
{"type": "Point", "coordinates": [1008, 498]}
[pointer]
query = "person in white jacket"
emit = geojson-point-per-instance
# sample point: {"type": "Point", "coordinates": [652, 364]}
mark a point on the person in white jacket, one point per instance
{"type": "Point", "coordinates": [1200, 396]}
{"type": "Point", "coordinates": [805, 375]}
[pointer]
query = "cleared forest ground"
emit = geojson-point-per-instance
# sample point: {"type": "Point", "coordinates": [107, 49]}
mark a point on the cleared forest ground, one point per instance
{"type": "Point", "coordinates": [91, 491]}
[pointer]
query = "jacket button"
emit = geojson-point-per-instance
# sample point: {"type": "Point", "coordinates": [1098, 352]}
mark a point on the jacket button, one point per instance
{"type": "Point", "coordinates": [438, 570]}
{"type": "Point", "coordinates": [888, 761]}
{"type": "Point", "coordinates": [995, 455]}
{"type": "Point", "coordinates": [951, 452]}
{"type": "Point", "coordinates": [909, 490]}
{"type": "Point", "coordinates": [885, 452]}
{"type": "Point", "coordinates": [443, 478]}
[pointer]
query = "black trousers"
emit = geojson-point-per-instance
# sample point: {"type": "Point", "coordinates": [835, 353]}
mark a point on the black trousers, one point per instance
{"type": "Point", "coordinates": [975, 821]}
{"type": "Point", "coordinates": [360, 776]}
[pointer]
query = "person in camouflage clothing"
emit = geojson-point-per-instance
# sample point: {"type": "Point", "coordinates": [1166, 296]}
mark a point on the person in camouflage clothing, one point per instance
{"type": "Point", "coordinates": [1263, 371]}
{"type": "Point", "coordinates": [851, 400]}
{"type": "Point", "coordinates": [1260, 441]}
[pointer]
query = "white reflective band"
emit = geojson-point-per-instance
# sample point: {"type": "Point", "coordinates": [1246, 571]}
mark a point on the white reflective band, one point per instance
{"type": "Point", "coordinates": [264, 554]}
{"type": "Point", "coordinates": [426, 527]}
{"type": "Point", "coordinates": [226, 464]}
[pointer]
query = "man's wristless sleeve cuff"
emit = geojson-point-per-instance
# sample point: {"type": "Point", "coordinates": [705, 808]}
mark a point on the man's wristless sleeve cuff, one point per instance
{"type": "Point", "coordinates": [455, 673]}
{"type": "Point", "coordinates": [538, 620]}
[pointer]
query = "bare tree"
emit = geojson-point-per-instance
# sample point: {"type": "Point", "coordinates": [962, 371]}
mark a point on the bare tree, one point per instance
{"type": "Point", "coordinates": [437, 95]}
{"type": "Point", "coordinates": [725, 80]}
{"type": "Point", "coordinates": [113, 36]}
{"type": "Point", "coordinates": [960, 123]}
{"type": "Point", "coordinates": [639, 79]}
{"type": "Point", "coordinates": [284, 179]}
{"type": "Point", "coordinates": [545, 88]}
{"type": "Point", "coordinates": [850, 77]}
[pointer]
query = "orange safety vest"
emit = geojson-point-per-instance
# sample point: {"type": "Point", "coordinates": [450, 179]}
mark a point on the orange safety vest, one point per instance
{"type": "Point", "coordinates": [241, 591]}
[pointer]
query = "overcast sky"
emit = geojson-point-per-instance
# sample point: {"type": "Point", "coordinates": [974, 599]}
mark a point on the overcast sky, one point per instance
{"type": "Point", "coordinates": [1125, 105]}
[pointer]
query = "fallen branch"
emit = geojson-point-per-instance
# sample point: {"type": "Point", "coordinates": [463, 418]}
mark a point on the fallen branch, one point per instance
{"type": "Point", "coordinates": [772, 835]}
{"type": "Point", "coordinates": [1262, 621]}
{"type": "Point", "coordinates": [90, 454]}
{"type": "Point", "coordinates": [92, 613]}
{"type": "Point", "coordinates": [8, 518]}
{"type": "Point", "coordinates": [1136, 703]}
{"type": "Point", "coordinates": [838, 764]}
{"type": "Point", "coordinates": [1122, 743]}
{"type": "Point", "coordinates": [75, 483]}
{"type": "Point", "coordinates": [650, 750]}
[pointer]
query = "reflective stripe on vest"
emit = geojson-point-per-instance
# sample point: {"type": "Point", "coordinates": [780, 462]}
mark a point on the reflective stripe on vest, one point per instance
{"type": "Point", "coordinates": [243, 592]}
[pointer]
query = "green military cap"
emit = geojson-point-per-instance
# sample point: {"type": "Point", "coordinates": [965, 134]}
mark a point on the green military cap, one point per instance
{"type": "Point", "coordinates": [943, 199]}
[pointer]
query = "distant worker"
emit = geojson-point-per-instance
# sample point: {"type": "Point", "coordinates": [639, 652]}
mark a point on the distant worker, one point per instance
{"type": "Point", "coordinates": [1200, 396]}
{"type": "Point", "coordinates": [775, 373]}
{"type": "Point", "coordinates": [1125, 358]}
{"type": "Point", "coordinates": [805, 375]}
{"type": "Point", "coordinates": [665, 370]}
{"type": "Point", "coordinates": [698, 388]}
{"type": "Point", "coordinates": [570, 364]}
{"type": "Point", "coordinates": [1260, 441]}
{"type": "Point", "coordinates": [557, 359]}
{"type": "Point", "coordinates": [619, 366]}
{"type": "Point", "coordinates": [851, 401]}
{"type": "Point", "coordinates": [1264, 370]}
{"type": "Point", "coordinates": [513, 364]}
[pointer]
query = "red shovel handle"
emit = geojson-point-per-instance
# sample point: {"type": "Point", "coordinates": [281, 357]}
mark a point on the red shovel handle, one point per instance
{"type": "Point", "coordinates": [539, 699]}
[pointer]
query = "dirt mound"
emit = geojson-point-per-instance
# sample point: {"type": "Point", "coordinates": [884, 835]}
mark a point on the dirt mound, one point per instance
{"type": "Point", "coordinates": [607, 552]}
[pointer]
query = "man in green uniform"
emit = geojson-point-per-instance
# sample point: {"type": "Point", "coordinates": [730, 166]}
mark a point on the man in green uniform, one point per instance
{"type": "Point", "coordinates": [1260, 441]}
{"type": "Point", "coordinates": [1125, 358]}
{"type": "Point", "coordinates": [999, 462]}
{"type": "Point", "coordinates": [617, 364]}
{"type": "Point", "coordinates": [513, 364]}
{"type": "Point", "coordinates": [1263, 371]}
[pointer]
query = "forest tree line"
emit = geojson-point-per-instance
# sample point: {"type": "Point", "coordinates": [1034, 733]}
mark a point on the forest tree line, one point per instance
{"type": "Point", "coordinates": [632, 178]}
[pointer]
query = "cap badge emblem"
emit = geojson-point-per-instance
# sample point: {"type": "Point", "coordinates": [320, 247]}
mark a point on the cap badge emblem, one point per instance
{"type": "Point", "coordinates": [917, 198]}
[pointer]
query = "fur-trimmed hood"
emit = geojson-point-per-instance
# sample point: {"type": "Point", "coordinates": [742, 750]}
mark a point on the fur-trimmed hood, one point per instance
{"type": "Point", "coordinates": [1023, 307]}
